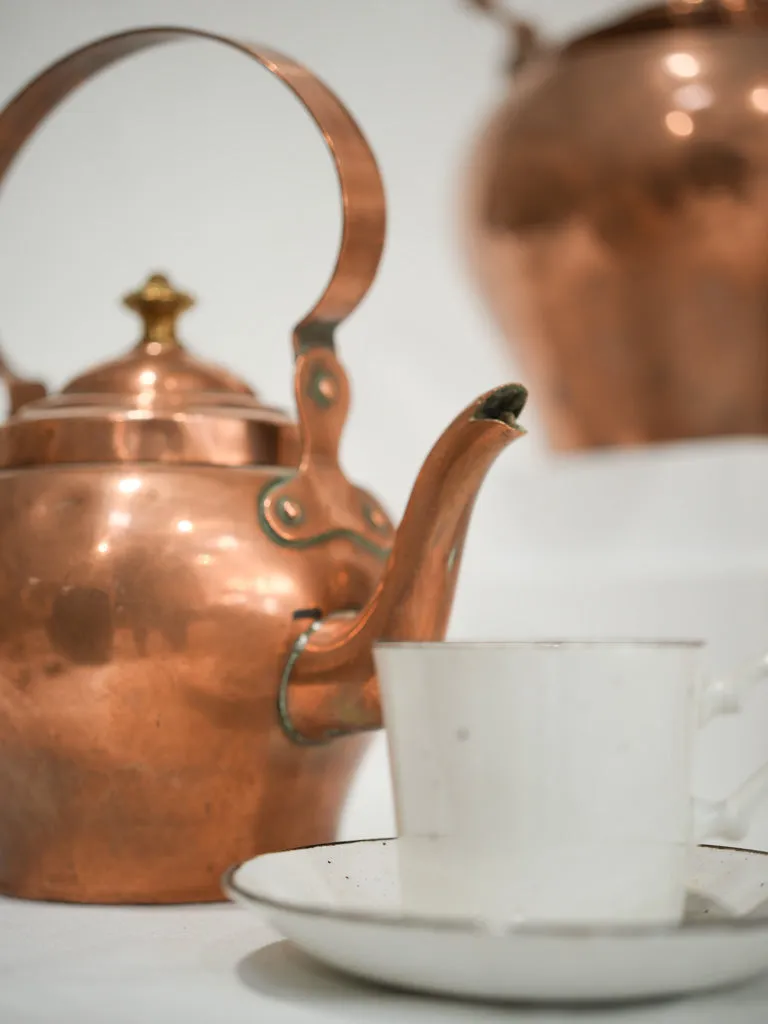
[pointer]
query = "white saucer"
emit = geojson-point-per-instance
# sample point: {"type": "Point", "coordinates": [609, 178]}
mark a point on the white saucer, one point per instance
{"type": "Point", "coordinates": [342, 905]}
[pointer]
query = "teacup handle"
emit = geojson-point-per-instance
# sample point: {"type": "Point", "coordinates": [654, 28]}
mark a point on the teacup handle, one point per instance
{"type": "Point", "coordinates": [731, 818]}
{"type": "Point", "coordinates": [725, 695]}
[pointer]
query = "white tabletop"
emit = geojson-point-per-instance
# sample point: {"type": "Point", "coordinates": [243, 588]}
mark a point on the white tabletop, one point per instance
{"type": "Point", "coordinates": [95, 965]}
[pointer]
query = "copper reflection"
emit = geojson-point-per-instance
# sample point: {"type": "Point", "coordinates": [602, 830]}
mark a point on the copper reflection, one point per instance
{"type": "Point", "coordinates": [165, 539]}
{"type": "Point", "coordinates": [618, 224]}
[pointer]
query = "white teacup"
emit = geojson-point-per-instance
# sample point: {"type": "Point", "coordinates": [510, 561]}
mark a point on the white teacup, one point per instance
{"type": "Point", "coordinates": [551, 782]}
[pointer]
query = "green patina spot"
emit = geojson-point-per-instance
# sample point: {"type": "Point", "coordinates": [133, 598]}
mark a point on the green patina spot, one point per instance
{"type": "Point", "coordinates": [318, 334]}
{"type": "Point", "coordinates": [301, 543]}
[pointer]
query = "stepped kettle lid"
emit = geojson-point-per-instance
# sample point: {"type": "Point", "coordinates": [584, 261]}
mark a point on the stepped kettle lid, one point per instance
{"type": "Point", "coordinates": [157, 402]}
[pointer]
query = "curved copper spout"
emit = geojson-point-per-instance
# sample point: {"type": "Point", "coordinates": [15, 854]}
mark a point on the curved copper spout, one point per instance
{"type": "Point", "coordinates": [333, 689]}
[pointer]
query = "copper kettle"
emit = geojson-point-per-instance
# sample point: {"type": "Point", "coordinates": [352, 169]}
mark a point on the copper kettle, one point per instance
{"type": "Point", "coordinates": [189, 585]}
{"type": "Point", "coordinates": [618, 223]}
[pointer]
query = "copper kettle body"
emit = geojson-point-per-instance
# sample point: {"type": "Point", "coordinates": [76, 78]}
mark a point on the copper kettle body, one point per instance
{"type": "Point", "coordinates": [618, 223]}
{"type": "Point", "coordinates": [189, 585]}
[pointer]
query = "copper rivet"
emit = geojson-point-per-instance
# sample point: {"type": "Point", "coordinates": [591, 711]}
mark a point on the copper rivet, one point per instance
{"type": "Point", "coordinates": [327, 388]}
{"type": "Point", "coordinates": [323, 389]}
{"type": "Point", "coordinates": [290, 510]}
{"type": "Point", "coordinates": [375, 517]}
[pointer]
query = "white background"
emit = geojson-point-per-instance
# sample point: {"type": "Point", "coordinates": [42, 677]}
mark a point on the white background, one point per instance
{"type": "Point", "coordinates": [193, 161]}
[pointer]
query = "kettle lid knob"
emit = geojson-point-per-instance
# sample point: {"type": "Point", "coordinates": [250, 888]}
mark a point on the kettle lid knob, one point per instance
{"type": "Point", "coordinates": [159, 305]}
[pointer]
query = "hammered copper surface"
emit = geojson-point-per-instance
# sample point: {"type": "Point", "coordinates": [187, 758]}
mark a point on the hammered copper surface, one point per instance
{"type": "Point", "coordinates": [618, 225]}
{"type": "Point", "coordinates": [165, 539]}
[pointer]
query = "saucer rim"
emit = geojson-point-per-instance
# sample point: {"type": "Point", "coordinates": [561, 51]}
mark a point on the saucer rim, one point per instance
{"type": "Point", "coordinates": [546, 642]}
{"type": "Point", "coordinates": [478, 926]}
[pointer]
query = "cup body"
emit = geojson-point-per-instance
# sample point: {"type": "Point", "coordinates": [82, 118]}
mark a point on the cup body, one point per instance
{"type": "Point", "coordinates": [542, 782]}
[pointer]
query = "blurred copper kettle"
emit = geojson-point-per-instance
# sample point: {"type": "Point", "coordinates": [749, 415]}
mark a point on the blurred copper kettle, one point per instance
{"type": "Point", "coordinates": [189, 585]}
{"type": "Point", "coordinates": [618, 223]}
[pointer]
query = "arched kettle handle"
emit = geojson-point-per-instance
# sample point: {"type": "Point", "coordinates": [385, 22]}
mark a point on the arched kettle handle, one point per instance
{"type": "Point", "coordinates": [362, 191]}
{"type": "Point", "coordinates": [321, 502]}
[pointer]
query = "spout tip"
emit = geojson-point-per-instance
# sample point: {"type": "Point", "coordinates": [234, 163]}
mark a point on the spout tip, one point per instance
{"type": "Point", "coordinates": [503, 404]}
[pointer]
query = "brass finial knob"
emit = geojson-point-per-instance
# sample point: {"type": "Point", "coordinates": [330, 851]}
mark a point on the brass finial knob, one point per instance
{"type": "Point", "coordinates": [159, 305]}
